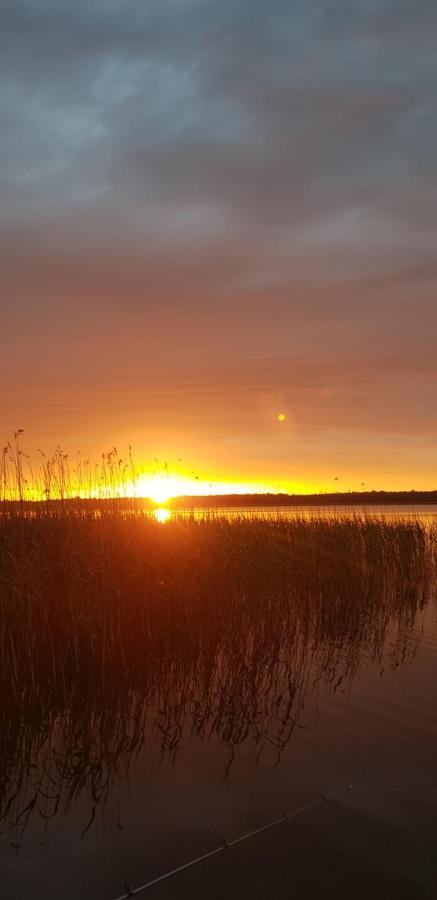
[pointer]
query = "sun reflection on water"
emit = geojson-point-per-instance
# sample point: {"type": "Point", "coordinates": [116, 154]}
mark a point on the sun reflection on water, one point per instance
{"type": "Point", "coordinates": [162, 515]}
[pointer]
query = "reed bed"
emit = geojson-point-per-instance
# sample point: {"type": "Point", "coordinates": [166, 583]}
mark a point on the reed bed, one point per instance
{"type": "Point", "coordinates": [112, 624]}
{"type": "Point", "coordinates": [60, 476]}
{"type": "Point", "coordinates": [86, 595]}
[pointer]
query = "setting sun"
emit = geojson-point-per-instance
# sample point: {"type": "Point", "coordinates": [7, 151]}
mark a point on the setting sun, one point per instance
{"type": "Point", "coordinates": [161, 488]}
{"type": "Point", "coordinates": [218, 468]}
{"type": "Point", "coordinates": [158, 488]}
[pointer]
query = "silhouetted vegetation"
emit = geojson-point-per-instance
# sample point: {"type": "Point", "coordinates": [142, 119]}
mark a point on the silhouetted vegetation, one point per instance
{"type": "Point", "coordinates": [344, 498]}
{"type": "Point", "coordinates": [114, 627]}
{"type": "Point", "coordinates": [58, 478]}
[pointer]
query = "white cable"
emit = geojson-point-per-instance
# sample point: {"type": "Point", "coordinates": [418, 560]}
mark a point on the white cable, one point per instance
{"type": "Point", "coordinates": [227, 844]}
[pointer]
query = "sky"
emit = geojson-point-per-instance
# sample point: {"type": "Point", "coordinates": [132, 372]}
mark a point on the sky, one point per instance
{"type": "Point", "coordinates": [212, 213]}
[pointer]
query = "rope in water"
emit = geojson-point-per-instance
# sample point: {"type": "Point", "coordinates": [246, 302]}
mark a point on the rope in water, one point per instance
{"type": "Point", "coordinates": [130, 891]}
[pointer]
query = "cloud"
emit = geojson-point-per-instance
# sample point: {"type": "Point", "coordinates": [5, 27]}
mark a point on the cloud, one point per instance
{"type": "Point", "coordinates": [190, 187]}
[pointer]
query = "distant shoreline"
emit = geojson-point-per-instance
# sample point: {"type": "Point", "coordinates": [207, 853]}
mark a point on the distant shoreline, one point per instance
{"type": "Point", "coordinates": [352, 498]}
{"type": "Point", "coordinates": [215, 501]}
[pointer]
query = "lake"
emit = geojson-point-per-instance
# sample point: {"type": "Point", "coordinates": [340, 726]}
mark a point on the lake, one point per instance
{"type": "Point", "coordinates": [425, 512]}
{"type": "Point", "coordinates": [295, 674]}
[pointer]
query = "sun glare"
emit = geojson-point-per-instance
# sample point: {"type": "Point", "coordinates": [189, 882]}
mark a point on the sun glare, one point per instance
{"type": "Point", "coordinates": [160, 489]}
{"type": "Point", "coordinates": [162, 515]}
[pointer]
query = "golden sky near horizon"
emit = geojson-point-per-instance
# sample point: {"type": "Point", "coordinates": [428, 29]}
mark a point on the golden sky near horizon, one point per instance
{"type": "Point", "coordinates": [212, 216]}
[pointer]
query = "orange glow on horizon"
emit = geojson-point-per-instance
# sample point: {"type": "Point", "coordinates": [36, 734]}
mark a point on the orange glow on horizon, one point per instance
{"type": "Point", "coordinates": [161, 488]}
{"type": "Point", "coordinates": [38, 476]}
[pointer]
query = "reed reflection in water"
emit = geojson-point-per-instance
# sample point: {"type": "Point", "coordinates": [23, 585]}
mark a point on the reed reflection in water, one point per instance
{"type": "Point", "coordinates": [121, 637]}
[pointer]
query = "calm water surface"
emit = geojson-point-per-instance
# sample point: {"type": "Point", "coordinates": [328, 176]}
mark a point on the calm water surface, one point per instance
{"type": "Point", "coordinates": [423, 512]}
{"type": "Point", "coordinates": [223, 739]}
